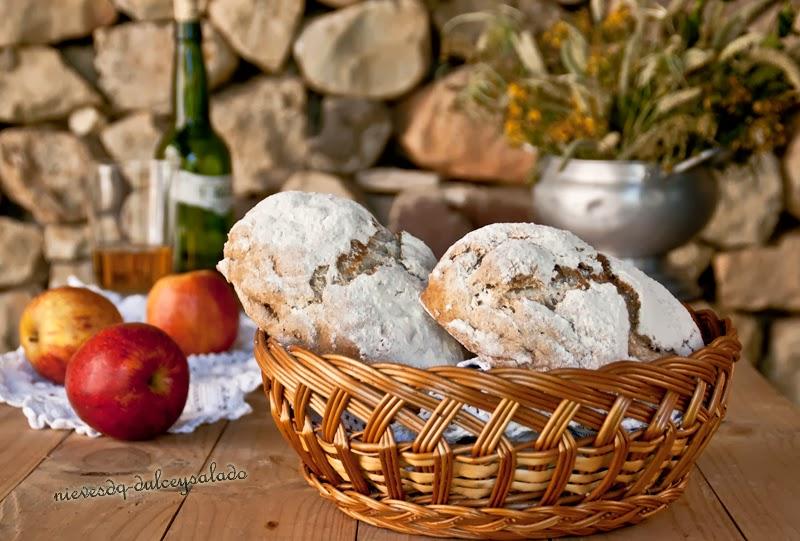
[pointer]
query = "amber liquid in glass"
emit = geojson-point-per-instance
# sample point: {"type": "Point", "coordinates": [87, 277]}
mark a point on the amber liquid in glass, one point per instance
{"type": "Point", "coordinates": [131, 268]}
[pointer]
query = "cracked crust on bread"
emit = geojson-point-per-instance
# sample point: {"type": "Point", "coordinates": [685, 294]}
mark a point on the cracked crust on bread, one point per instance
{"type": "Point", "coordinates": [320, 271]}
{"type": "Point", "coordinates": [532, 295]}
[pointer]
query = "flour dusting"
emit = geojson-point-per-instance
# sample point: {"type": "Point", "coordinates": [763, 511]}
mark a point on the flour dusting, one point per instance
{"type": "Point", "coordinates": [320, 271]}
{"type": "Point", "coordinates": [536, 296]}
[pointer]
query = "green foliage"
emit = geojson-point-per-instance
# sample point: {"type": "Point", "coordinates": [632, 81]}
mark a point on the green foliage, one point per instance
{"type": "Point", "coordinates": [640, 81]}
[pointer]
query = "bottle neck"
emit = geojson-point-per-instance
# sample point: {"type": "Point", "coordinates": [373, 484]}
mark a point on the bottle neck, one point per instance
{"type": "Point", "coordinates": [190, 88]}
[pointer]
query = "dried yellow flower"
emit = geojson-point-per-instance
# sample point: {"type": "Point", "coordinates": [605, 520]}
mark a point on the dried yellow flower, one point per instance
{"type": "Point", "coordinates": [513, 131]}
{"type": "Point", "coordinates": [563, 131]}
{"type": "Point", "coordinates": [575, 126]}
{"type": "Point", "coordinates": [568, 87]}
{"type": "Point", "coordinates": [589, 126]}
{"type": "Point", "coordinates": [555, 35]}
{"type": "Point", "coordinates": [617, 20]}
{"type": "Point", "coordinates": [516, 91]}
{"type": "Point", "coordinates": [534, 116]}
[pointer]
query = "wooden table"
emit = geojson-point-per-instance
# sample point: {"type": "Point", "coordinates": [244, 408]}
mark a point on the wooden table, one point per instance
{"type": "Point", "coordinates": [747, 485]}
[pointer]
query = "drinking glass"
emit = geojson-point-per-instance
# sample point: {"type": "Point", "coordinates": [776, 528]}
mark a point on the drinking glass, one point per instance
{"type": "Point", "coordinates": [129, 221]}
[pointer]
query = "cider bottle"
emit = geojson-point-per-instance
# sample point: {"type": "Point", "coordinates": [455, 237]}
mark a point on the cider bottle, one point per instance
{"type": "Point", "coordinates": [201, 188]}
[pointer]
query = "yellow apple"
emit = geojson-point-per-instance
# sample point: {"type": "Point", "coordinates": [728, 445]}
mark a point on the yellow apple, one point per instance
{"type": "Point", "coordinates": [57, 322]}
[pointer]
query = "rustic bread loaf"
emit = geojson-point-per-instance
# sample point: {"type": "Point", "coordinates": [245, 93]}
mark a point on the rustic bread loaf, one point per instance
{"type": "Point", "coordinates": [531, 295]}
{"type": "Point", "coordinates": [320, 271]}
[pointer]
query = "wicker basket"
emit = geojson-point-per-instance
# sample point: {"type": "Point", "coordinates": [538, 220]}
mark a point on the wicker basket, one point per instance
{"type": "Point", "coordinates": [490, 487]}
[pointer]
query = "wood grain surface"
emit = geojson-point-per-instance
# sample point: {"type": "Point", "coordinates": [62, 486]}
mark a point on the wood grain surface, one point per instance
{"type": "Point", "coordinates": [31, 511]}
{"type": "Point", "coordinates": [22, 449]}
{"type": "Point", "coordinates": [753, 462]}
{"type": "Point", "coordinates": [746, 485]}
{"type": "Point", "coordinates": [273, 502]}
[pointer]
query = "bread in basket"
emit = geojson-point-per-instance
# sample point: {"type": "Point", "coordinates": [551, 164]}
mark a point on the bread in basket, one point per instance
{"type": "Point", "coordinates": [491, 487]}
{"type": "Point", "coordinates": [546, 439]}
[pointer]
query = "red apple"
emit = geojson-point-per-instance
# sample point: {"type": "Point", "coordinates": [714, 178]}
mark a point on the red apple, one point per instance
{"type": "Point", "coordinates": [129, 381]}
{"type": "Point", "coordinates": [55, 324]}
{"type": "Point", "coordinates": [197, 309]}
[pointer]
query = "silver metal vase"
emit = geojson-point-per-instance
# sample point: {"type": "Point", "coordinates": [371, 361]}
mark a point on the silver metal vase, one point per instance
{"type": "Point", "coordinates": [631, 210]}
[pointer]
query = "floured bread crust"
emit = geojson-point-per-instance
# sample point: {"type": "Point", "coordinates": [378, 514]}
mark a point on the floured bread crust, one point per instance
{"type": "Point", "coordinates": [532, 295]}
{"type": "Point", "coordinates": [320, 271]}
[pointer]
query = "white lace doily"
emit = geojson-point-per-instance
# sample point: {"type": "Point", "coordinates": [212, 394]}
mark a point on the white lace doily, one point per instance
{"type": "Point", "coordinates": [218, 383]}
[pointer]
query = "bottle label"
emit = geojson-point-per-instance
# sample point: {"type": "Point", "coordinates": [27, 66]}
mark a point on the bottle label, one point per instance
{"type": "Point", "coordinates": [206, 192]}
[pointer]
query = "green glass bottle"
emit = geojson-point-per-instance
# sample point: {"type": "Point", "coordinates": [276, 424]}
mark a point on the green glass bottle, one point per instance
{"type": "Point", "coordinates": [201, 192]}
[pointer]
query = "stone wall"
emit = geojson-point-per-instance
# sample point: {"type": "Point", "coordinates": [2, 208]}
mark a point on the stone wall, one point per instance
{"type": "Point", "coordinates": [344, 96]}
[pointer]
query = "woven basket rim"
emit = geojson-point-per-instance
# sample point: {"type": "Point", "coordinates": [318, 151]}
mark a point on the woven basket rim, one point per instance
{"type": "Point", "coordinates": [432, 486]}
{"type": "Point", "coordinates": [263, 339]}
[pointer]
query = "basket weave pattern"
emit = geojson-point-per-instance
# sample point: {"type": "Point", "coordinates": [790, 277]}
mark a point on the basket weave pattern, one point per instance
{"type": "Point", "coordinates": [489, 486]}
